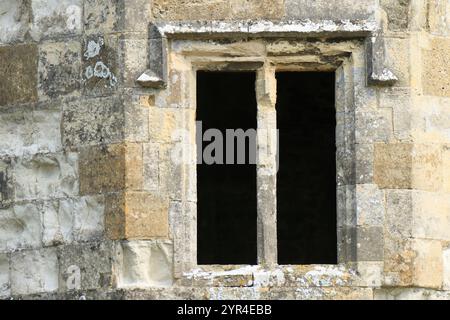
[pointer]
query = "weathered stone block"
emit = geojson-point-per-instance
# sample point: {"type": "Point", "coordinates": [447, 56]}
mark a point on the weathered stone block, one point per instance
{"type": "Point", "coordinates": [89, 221]}
{"type": "Point", "coordinates": [257, 9]}
{"type": "Point", "coordinates": [397, 12]}
{"type": "Point", "coordinates": [34, 271]}
{"type": "Point", "coordinates": [331, 10]}
{"type": "Point", "coordinates": [397, 51]}
{"type": "Point", "coordinates": [14, 20]}
{"type": "Point", "coordinates": [101, 16]}
{"type": "Point", "coordinates": [18, 83]}
{"type": "Point", "coordinates": [144, 264]}
{"type": "Point", "coordinates": [431, 119]}
{"type": "Point", "coordinates": [55, 18]}
{"type": "Point", "coordinates": [5, 285]}
{"type": "Point", "coordinates": [102, 169]}
{"type": "Point", "coordinates": [46, 176]}
{"type": "Point", "coordinates": [393, 165]}
{"type": "Point", "coordinates": [191, 10]}
{"type": "Point", "coordinates": [85, 266]}
{"type": "Point", "coordinates": [111, 169]}
{"type": "Point", "coordinates": [100, 65]}
{"type": "Point", "coordinates": [446, 169]}
{"type": "Point", "coordinates": [400, 102]}
{"type": "Point", "coordinates": [137, 215]}
{"type": "Point", "coordinates": [135, 56]}
{"type": "Point", "coordinates": [136, 118]}
{"type": "Point", "coordinates": [167, 125]}
{"type": "Point", "coordinates": [59, 68]}
{"type": "Point", "coordinates": [427, 167]}
{"type": "Point", "coordinates": [436, 68]}
{"type": "Point", "coordinates": [446, 260]}
{"type": "Point", "coordinates": [398, 261]}
{"type": "Point", "coordinates": [57, 224]}
{"type": "Point", "coordinates": [428, 264]}
{"type": "Point", "coordinates": [364, 163]}
{"type": "Point", "coordinates": [370, 206]}
{"type": "Point", "coordinates": [369, 243]}
{"type": "Point", "coordinates": [399, 213]}
{"type": "Point", "coordinates": [96, 121]}
{"type": "Point", "coordinates": [438, 19]}
{"type": "Point", "coordinates": [374, 126]}
{"type": "Point", "coordinates": [431, 215]}
{"type": "Point", "coordinates": [20, 227]}
{"type": "Point", "coordinates": [26, 132]}
{"type": "Point", "coordinates": [6, 188]}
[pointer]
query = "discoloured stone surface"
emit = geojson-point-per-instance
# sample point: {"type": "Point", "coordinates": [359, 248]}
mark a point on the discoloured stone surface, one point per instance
{"type": "Point", "coordinates": [34, 271]}
{"type": "Point", "coordinates": [5, 285]}
{"type": "Point", "coordinates": [137, 215]}
{"type": "Point", "coordinates": [46, 176]}
{"type": "Point", "coordinates": [101, 16]}
{"type": "Point", "coordinates": [93, 262]}
{"type": "Point", "coordinates": [56, 17]}
{"type": "Point", "coordinates": [144, 264]}
{"type": "Point", "coordinates": [19, 69]}
{"type": "Point", "coordinates": [397, 12]}
{"type": "Point", "coordinates": [13, 20]}
{"type": "Point", "coordinates": [59, 68]}
{"type": "Point", "coordinates": [393, 165]}
{"type": "Point", "coordinates": [436, 68]}
{"type": "Point", "coordinates": [96, 121]}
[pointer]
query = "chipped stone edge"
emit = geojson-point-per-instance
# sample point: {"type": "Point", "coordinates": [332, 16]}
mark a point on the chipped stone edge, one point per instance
{"type": "Point", "coordinates": [156, 75]}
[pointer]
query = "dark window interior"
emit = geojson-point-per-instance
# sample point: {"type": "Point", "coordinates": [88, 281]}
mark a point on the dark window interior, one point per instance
{"type": "Point", "coordinates": [306, 180]}
{"type": "Point", "coordinates": [226, 194]}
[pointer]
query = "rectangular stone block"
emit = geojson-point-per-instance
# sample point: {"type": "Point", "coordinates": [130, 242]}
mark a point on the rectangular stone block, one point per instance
{"type": "Point", "coordinates": [369, 243]}
{"type": "Point", "coordinates": [428, 263]}
{"type": "Point", "coordinates": [427, 167]}
{"type": "Point", "coordinates": [436, 68]}
{"type": "Point", "coordinates": [53, 18]}
{"type": "Point", "coordinates": [144, 264]}
{"type": "Point", "coordinates": [18, 83]}
{"type": "Point", "coordinates": [94, 121]}
{"type": "Point", "coordinates": [20, 227]}
{"type": "Point", "coordinates": [137, 215]}
{"type": "Point", "coordinates": [373, 126]}
{"type": "Point", "coordinates": [370, 205]}
{"type": "Point", "coordinates": [397, 57]}
{"type": "Point", "coordinates": [34, 271]}
{"type": "Point", "coordinates": [446, 259]}
{"type": "Point", "coordinates": [14, 20]}
{"type": "Point", "coordinates": [101, 16]}
{"type": "Point", "coordinates": [397, 13]}
{"type": "Point", "coordinates": [85, 266]}
{"type": "Point", "coordinates": [59, 69]}
{"type": "Point", "coordinates": [193, 10]}
{"type": "Point", "coordinates": [25, 132]}
{"type": "Point", "coordinates": [393, 165]}
{"type": "Point", "coordinates": [45, 176]}
{"type": "Point", "coordinates": [331, 10]}
{"type": "Point", "coordinates": [57, 224]}
{"type": "Point", "coordinates": [400, 102]}
{"type": "Point", "coordinates": [100, 68]}
{"type": "Point", "coordinates": [257, 9]}
{"type": "Point", "coordinates": [431, 215]}
{"type": "Point", "coordinates": [6, 188]}
{"type": "Point", "coordinates": [5, 285]}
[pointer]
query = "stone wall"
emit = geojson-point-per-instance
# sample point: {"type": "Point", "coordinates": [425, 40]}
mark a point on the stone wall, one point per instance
{"type": "Point", "coordinates": [91, 206]}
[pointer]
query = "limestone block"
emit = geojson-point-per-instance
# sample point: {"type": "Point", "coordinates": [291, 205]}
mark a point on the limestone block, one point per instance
{"type": "Point", "coordinates": [428, 264]}
{"type": "Point", "coordinates": [431, 119]}
{"type": "Point", "coordinates": [427, 167]}
{"type": "Point", "coordinates": [46, 176]}
{"type": "Point", "coordinates": [18, 83]}
{"type": "Point", "coordinates": [136, 215]}
{"type": "Point", "coordinates": [334, 294]}
{"type": "Point", "coordinates": [168, 125]}
{"type": "Point", "coordinates": [257, 9]}
{"type": "Point", "coordinates": [411, 294]}
{"type": "Point", "coordinates": [20, 227]}
{"type": "Point", "coordinates": [399, 213]}
{"type": "Point", "coordinates": [446, 259]}
{"type": "Point", "coordinates": [135, 55]}
{"type": "Point", "coordinates": [400, 102]}
{"type": "Point", "coordinates": [5, 285]}
{"type": "Point", "coordinates": [89, 221]}
{"type": "Point", "coordinates": [25, 132]}
{"type": "Point", "coordinates": [370, 206]}
{"type": "Point", "coordinates": [397, 13]}
{"type": "Point", "coordinates": [85, 266]}
{"type": "Point", "coordinates": [56, 17]}
{"type": "Point", "coordinates": [6, 188]}
{"type": "Point", "coordinates": [398, 261]}
{"type": "Point", "coordinates": [59, 69]}
{"type": "Point", "coordinates": [34, 271]}
{"type": "Point", "coordinates": [364, 163]}
{"type": "Point", "coordinates": [431, 215]}
{"type": "Point", "coordinates": [397, 60]}
{"type": "Point", "coordinates": [144, 264]}
{"type": "Point", "coordinates": [136, 118]}
{"type": "Point", "coordinates": [370, 274]}
{"type": "Point", "coordinates": [14, 21]}
{"type": "Point", "coordinates": [374, 126]}
{"type": "Point", "coordinates": [439, 17]}
{"type": "Point", "coordinates": [436, 68]}
{"type": "Point", "coordinates": [393, 165]}
{"type": "Point", "coordinates": [57, 224]}
{"type": "Point", "coordinates": [101, 16]}
{"type": "Point", "coordinates": [95, 121]}
{"type": "Point", "coordinates": [191, 10]}
{"type": "Point", "coordinates": [369, 243]}
{"type": "Point", "coordinates": [110, 169]}
{"type": "Point", "coordinates": [100, 70]}
{"type": "Point", "coordinates": [446, 169]}
{"type": "Point", "coordinates": [331, 10]}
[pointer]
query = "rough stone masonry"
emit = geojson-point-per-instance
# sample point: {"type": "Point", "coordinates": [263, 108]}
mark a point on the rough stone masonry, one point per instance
{"type": "Point", "coordinates": [92, 92]}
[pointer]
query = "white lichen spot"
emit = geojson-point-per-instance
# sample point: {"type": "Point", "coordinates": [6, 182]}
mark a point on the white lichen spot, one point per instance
{"type": "Point", "coordinates": [93, 48]}
{"type": "Point", "coordinates": [89, 73]}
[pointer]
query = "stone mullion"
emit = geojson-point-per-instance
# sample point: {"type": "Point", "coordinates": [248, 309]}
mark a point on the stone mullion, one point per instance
{"type": "Point", "coordinates": [266, 166]}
